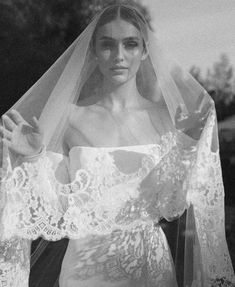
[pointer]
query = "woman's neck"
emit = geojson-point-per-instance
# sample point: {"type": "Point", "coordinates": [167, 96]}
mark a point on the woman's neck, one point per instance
{"type": "Point", "coordinates": [118, 98]}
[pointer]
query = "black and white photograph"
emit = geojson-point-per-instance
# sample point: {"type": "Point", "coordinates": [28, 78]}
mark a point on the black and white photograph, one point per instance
{"type": "Point", "coordinates": [117, 143]}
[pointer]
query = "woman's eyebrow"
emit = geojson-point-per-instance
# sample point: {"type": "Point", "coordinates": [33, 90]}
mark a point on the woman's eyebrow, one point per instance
{"type": "Point", "coordinates": [133, 38]}
{"type": "Point", "coordinates": [107, 38]}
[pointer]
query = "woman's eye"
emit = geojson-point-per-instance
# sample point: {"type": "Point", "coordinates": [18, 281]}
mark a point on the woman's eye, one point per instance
{"type": "Point", "coordinates": [107, 45]}
{"type": "Point", "coordinates": [131, 44]}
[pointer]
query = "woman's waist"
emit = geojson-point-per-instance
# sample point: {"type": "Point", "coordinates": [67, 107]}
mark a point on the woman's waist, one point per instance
{"type": "Point", "coordinates": [140, 228]}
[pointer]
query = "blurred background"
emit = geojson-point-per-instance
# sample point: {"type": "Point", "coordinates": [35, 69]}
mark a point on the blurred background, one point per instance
{"type": "Point", "coordinates": [199, 34]}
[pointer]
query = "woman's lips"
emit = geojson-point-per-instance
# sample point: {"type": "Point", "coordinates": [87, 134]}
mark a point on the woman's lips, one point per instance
{"type": "Point", "coordinates": [118, 68]}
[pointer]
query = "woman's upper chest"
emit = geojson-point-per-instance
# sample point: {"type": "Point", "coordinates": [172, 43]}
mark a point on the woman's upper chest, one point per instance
{"type": "Point", "coordinates": [98, 127]}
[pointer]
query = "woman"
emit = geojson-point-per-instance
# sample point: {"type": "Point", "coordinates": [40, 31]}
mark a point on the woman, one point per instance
{"type": "Point", "coordinates": [122, 141]}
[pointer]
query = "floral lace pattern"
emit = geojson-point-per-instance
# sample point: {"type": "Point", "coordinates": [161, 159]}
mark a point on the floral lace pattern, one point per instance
{"type": "Point", "coordinates": [14, 263]}
{"type": "Point", "coordinates": [122, 189]}
{"type": "Point", "coordinates": [99, 200]}
{"type": "Point", "coordinates": [206, 194]}
{"type": "Point", "coordinates": [122, 256]}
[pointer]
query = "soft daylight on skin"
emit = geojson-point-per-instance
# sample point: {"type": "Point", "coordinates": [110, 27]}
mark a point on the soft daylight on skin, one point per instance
{"type": "Point", "coordinates": [110, 173]}
{"type": "Point", "coordinates": [119, 50]}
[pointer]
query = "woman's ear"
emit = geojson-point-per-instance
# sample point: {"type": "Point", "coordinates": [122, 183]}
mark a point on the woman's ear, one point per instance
{"type": "Point", "coordinates": [145, 52]}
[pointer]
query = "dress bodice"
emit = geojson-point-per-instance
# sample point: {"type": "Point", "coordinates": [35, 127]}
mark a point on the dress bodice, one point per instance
{"type": "Point", "coordinates": [123, 161]}
{"type": "Point", "coordinates": [114, 163]}
{"type": "Point", "coordinates": [122, 182]}
{"type": "Point", "coordinates": [114, 177]}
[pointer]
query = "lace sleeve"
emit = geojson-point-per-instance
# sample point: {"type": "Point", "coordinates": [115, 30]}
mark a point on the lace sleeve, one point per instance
{"type": "Point", "coordinates": [170, 177]}
{"type": "Point", "coordinates": [17, 194]}
{"type": "Point", "coordinates": [41, 205]}
{"type": "Point", "coordinates": [206, 194]}
{"type": "Point", "coordinates": [39, 197]}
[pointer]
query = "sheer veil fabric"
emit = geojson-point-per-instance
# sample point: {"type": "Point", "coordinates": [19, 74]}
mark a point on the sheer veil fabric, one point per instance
{"type": "Point", "coordinates": [47, 196]}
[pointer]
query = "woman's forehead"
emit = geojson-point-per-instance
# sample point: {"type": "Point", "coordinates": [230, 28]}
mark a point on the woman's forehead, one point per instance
{"type": "Point", "coordinates": [118, 29]}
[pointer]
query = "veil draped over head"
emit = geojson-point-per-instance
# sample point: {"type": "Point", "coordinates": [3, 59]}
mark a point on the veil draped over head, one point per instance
{"type": "Point", "coordinates": [191, 177]}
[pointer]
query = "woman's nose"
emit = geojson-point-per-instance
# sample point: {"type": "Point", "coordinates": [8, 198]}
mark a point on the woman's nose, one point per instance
{"type": "Point", "coordinates": [119, 53]}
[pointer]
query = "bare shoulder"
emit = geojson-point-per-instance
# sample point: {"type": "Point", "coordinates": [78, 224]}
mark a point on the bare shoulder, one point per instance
{"type": "Point", "coordinates": [83, 114]}
{"type": "Point", "coordinates": [81, 123]}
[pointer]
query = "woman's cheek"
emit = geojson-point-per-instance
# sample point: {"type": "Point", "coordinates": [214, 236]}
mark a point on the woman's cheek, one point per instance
{"type": "Point", "coordinates": [136, 56]}
{"type": "Point", "coordinates": [136, 59]}
{"type": "Point", "coordinates": [105, 55]}
{"type": "Point", "coordinates": [136, 53]}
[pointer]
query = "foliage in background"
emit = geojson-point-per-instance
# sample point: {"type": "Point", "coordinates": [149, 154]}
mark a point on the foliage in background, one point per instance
{"type": "Point", "coordinates": [220, 83]}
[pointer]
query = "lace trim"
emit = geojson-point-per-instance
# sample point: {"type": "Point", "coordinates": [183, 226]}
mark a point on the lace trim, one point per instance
{"type": "Point", "coordinates": [97, 201]}
{"type": "Point", "coordinates": [206, 194]}
{"type": "Point", "coordinates": [14, 263]}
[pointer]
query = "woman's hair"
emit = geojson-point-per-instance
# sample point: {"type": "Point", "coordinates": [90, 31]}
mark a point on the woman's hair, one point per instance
{"type": "Point", "coordinates": [127, 13]}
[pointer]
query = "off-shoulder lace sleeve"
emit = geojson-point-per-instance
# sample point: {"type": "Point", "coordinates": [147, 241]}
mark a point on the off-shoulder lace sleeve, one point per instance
{"type": "Point", "coordinates": [165, 195]}
{"type": "Point", "coordinates": [40, 203]}
{"type": "Point", "coordinates": [190, 177]}
{"type": "Point", "coordinates": [212, 263]}
{"type": "Point", "coordinates": [39, 199]}
{"type": "Point", "coordinates": [17, 194]}
{"type": "Point", "coordinates": [171, 179]}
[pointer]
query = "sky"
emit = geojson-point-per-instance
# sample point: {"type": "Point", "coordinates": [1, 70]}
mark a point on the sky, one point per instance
{"type": "Point", "coordinates": [195, 32]}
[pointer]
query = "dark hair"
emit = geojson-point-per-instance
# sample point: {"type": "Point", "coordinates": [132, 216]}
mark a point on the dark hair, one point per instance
{"type": "Point", "coordinates": [127, 13]}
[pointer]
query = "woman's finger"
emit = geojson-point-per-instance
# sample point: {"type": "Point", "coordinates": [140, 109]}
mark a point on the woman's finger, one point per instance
{"type": "Point", "coordinates": [5, 133]}
{"type": "Point", "coordinates": [16, 117]}
{"type": "Point", "coordinates": [8, 122]}
{"type": "Point", "coordinates": [178, 111]}
{"type": "Point", "coordinates": [36, 125]}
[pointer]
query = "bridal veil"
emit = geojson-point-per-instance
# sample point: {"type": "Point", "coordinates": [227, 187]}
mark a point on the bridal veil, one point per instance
{"type": "Point", "coordinates": [75, 78]}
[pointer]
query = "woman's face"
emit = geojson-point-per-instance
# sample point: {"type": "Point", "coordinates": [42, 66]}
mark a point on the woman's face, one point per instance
{"type": "Point", "coordinates": [119, 50]}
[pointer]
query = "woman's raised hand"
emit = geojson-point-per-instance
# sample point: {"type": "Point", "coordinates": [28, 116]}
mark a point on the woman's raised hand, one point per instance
{"type": "Point", "coordinates": [21, 137]}
{"type": "Point", "coordinates": [193, 123]}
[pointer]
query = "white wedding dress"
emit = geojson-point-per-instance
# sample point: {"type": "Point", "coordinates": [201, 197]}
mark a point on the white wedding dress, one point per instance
{"type": "Point", "coordinates": [108, 201]}
{"type": "Point", "coordinates": [136, 255]}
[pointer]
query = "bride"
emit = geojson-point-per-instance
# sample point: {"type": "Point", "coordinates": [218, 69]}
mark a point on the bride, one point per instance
{"type": "Point", "coordinates": [122, 141]}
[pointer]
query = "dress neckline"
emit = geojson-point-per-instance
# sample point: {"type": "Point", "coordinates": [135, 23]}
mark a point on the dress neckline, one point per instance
{"type": "Point", "coordinates": [114, 147]}
{"type": "Point", "coordinates": [124, 147]}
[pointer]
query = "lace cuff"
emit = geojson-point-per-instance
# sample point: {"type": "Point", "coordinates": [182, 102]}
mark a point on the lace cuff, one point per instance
{"type": "Point", "coordinates": [33, 158]}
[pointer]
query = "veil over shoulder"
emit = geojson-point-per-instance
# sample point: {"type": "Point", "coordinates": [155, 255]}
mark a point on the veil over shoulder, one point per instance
{"type": "Point", "coordinates": [45, 196]}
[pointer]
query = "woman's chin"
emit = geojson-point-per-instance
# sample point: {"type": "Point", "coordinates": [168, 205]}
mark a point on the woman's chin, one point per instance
{"type": "Point", "coordinates": [119, 79]}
